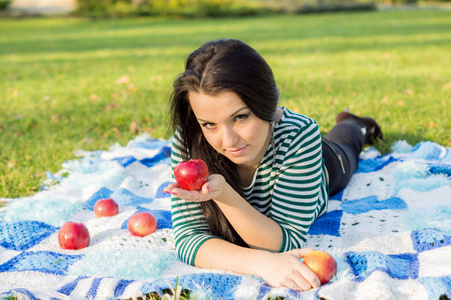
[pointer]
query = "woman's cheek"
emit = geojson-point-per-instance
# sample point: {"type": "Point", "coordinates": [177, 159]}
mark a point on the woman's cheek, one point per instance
{"type": "Point", "coordinates": [212, 140]}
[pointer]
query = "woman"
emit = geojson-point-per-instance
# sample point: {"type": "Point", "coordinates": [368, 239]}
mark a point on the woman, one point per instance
{"type": "Point", "coordinates": [271, 173]}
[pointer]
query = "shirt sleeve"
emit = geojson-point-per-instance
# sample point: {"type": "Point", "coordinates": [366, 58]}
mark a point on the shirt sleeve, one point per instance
{"type": "Point", "coordinates": [189, 224]}
{"type": "Point", "coordinates": [296, 195]}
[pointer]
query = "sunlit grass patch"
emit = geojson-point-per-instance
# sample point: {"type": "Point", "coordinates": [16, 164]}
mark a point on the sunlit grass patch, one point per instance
{"type": "Point", "coordinates": [73, 83]}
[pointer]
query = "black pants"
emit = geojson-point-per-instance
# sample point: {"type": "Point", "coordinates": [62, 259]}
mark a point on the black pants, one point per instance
{"type": "Point", "coordinates": [341, 150]}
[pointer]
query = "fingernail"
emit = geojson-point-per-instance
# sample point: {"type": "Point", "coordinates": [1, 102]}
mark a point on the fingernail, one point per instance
{"type": "Point", "coordinates": [208, 189]}
{"type": "Point", "coordinates": [173, 193]}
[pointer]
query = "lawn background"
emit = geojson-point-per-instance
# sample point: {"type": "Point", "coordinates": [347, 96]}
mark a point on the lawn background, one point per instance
{"type": "Point", "coordinates": [73, 83]}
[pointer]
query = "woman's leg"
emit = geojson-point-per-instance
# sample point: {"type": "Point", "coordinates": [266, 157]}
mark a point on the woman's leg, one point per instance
{"type": "Point", "coordinates": [373, 130]}
{"type": "Point", "coordinates": [342, 147]}
{"type": "Point", "coordinates": [341, 150]}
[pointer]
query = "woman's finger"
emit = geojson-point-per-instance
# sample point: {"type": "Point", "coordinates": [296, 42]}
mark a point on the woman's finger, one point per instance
{"type": "Point", "coordinates": [300, 284]}
{"type": "Point", "coordinates": [300, 253]}
{"type": "Point", "coordinates": [209, 190]}
{"type": "Point", "coordinates": [170, 187]}
{"type": "Point", "coordinates": [195, 196]}
{"type": "Point", "coordinates": [309, 276]}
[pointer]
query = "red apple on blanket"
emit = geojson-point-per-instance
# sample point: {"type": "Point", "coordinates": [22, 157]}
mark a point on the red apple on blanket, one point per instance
{"type": "Point", "coordinates": [106, 208]}
{"type": "Point", "coordinates": [322, 264]}
{"type": "Point", "coordinates": [73, 236]}
{"type": "Point", "coordinates": [191, 175]}
{"type": "Point", "coordinates": [142, 224]}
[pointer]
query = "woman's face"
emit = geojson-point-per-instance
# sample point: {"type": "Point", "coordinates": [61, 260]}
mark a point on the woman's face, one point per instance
{"type": "Point", "coordinates": [231, 128]}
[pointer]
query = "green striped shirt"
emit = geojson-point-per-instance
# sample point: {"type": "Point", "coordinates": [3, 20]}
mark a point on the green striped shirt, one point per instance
{"type": "Point", "coordinates": [289, 186]}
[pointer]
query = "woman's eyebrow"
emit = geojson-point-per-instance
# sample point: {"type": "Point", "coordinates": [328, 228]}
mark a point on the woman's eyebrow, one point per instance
{"type": "Point", "coordinates": [231, 116]}
{"type": "Point", "coordinates": [238, 111]}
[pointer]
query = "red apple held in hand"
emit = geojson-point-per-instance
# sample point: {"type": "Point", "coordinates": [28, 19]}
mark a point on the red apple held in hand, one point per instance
{"type": "Point", "coordinates": [191, 175]}
{"type": "Point", "coordinates": [106, 208]}
{"type": "Point", "coordinates": [322, 264]}
{"type": "Point", "coordinates": [142, 224]}
{"type": "Point", "coordinates": [73, 236]}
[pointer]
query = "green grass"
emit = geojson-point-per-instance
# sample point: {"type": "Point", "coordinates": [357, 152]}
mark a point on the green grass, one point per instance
{"type": "Point", "coordinates": [59, 91]}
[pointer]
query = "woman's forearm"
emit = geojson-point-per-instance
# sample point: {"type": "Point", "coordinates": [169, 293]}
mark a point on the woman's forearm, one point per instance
{"type": "Point", "coordinates": [220, 254]}
{"type": "Point", "coordinates": [256, 229]}
{"type": "Point", "coordinates": [276, 269]}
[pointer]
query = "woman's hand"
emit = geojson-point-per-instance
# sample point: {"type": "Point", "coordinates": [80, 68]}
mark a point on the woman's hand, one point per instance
{"type": "Point", "coordinates": [211, 189]}
{"type": "Point", "coordinates": [286, 270]}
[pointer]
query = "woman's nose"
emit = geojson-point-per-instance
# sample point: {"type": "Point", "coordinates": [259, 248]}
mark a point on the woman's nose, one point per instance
{"type": "Point", "coordinates": [229, 137]}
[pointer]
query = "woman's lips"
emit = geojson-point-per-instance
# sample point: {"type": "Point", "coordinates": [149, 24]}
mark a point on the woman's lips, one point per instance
{"type": "Point", "coordinates": [237, 152]}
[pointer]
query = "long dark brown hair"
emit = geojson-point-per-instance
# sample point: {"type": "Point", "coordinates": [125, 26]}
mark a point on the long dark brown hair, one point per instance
{"type": "Point", "coordinates": [224, 65]}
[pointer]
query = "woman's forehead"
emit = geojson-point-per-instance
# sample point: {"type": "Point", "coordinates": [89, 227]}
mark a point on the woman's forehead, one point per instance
{"type": "Point", "coordinates": [223, 105]}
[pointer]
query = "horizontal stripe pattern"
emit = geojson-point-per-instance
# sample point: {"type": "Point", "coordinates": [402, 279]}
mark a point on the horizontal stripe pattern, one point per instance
{"type": "Point", "coordinates": [189, 224]}
{"type": "Point", "coordinates": [289, 187]}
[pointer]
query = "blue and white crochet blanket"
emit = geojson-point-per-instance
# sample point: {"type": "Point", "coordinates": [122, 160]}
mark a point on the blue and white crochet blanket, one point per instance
{"type": "Point", "coordinates": [389, 230]}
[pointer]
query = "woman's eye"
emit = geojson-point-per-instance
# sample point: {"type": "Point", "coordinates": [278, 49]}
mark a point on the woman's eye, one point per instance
{"type": "Point", "coordinates": [241, 117]}
{"type": "Point", "coordinates": [208, 125]}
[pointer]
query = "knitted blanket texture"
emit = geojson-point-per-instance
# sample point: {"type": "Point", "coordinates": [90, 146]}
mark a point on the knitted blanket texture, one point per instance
{"type": "Point", "coordinates": [389, 230]}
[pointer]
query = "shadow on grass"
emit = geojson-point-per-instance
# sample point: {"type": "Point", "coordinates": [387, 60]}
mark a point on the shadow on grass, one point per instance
{"type": "Point", "coordinates": [127, 47]}
{"type": "Point", "coordinates": [162, 35]}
